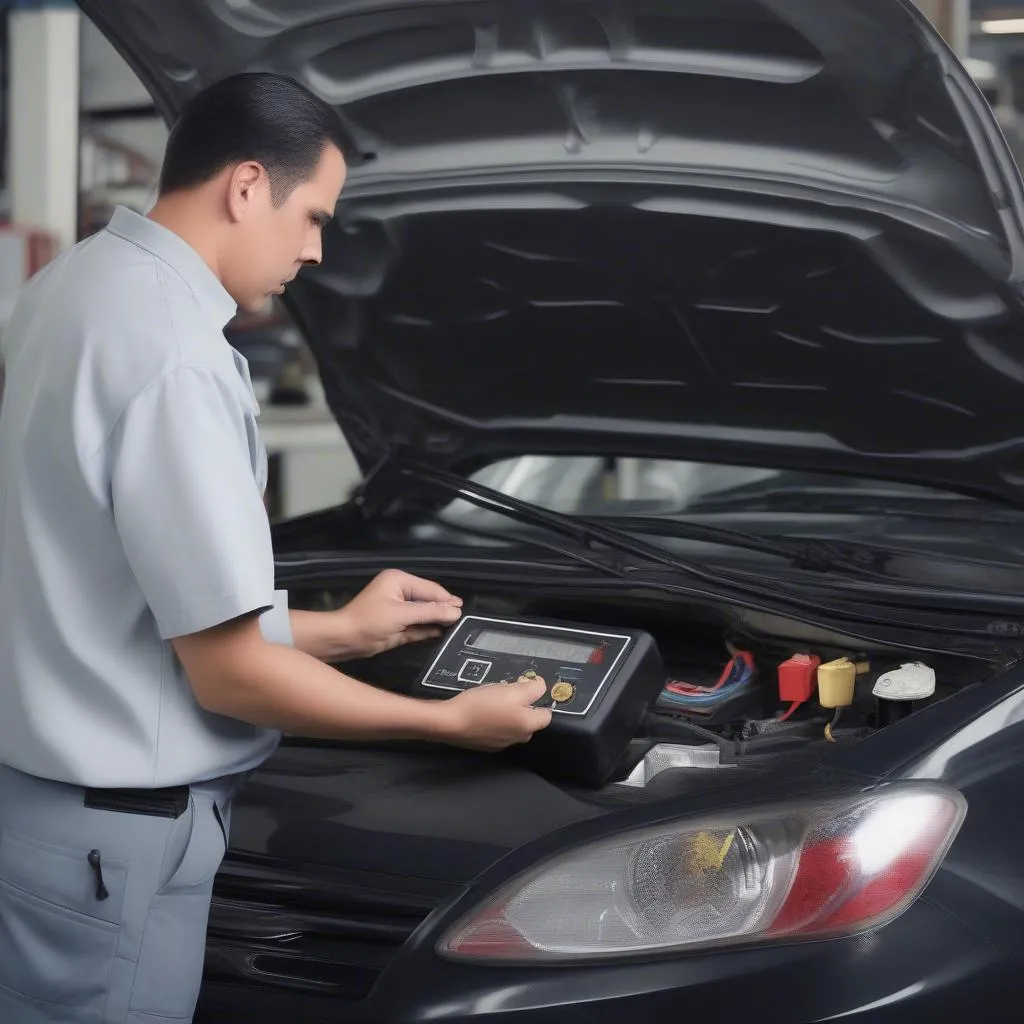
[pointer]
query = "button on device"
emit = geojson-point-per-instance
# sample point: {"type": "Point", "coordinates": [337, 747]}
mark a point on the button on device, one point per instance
{"type": "Point", "coordinates": [562, 692]}
{"type": "Point", "coordinates": [474, 670]}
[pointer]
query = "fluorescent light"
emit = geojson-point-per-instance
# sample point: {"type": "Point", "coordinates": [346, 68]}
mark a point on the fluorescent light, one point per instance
{"type": "Point", "coordinates": [1003, 26]}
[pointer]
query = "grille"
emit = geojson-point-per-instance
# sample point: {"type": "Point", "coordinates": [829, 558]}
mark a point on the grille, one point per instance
{"type": "Point", "coordinates": [327, 932]}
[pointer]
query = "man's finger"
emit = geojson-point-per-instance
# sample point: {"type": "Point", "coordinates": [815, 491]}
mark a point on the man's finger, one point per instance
{"type": "Point", "coordinates": [414, 588]}
{"type": "Point", "coordinates": [416, 613]}
{"type": "Point", "coordinates": [416, 634]}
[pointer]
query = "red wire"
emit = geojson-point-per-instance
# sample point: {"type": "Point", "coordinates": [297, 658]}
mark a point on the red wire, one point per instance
{"type": "Point", "coordinates": [726, 672]}
{"type": "Point", "coordinates": [679, 686]}
{"type": "Point", "coordinates": [792, 708]}
{"type": "Point", "coordinates": [745, 656]}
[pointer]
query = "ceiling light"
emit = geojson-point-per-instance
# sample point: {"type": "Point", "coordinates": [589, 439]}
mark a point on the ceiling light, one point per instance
{"type": "Point", "coordinates": [1003, 26]}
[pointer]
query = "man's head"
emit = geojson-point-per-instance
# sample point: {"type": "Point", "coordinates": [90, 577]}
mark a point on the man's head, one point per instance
{"type": "Point", "coordinates": [252, 172]}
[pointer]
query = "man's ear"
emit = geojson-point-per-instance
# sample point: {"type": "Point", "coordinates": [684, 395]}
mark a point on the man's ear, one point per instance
{"type": "Point", "coordinates": [244, 185]}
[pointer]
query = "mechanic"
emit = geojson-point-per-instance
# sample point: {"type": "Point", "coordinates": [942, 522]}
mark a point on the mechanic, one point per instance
{"type": "Point", "coordinates": [146, 661]}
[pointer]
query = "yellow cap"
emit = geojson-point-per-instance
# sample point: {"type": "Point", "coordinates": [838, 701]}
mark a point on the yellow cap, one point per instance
{"type": "Point", "coordinates": [836, 683]}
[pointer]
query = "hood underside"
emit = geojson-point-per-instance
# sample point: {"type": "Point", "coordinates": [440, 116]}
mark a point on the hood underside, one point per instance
{"type": "Point", "coordinates": [774, 232]}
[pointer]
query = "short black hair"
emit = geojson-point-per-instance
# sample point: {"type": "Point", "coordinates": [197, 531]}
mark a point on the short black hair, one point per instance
{"type": "Point", "coordinates": [259, 116]}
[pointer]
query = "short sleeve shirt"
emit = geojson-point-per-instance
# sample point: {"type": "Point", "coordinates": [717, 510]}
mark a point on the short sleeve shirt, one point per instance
{"type": "Point", "coordinates": [131, 512]}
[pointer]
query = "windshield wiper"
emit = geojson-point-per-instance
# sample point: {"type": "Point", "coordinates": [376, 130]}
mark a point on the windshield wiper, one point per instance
{"type": "Point", "coordinates": [814, 555]}
{"type": "Point", "coordinates": [572, 554]}
{"type": "Point", "coordinates": [387, 484]}
{"type": "Point", "coordinates": [589, 532]}
{"type": "Point", "coordinates": [811, 501]}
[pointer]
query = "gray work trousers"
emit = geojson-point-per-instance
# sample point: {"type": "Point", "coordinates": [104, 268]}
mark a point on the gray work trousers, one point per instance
{"type": "Point", "coordinates": [103, 913]}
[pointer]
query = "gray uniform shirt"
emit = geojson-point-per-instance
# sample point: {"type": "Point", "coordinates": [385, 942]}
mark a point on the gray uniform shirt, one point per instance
{"type": "Point", "coordinates": [131, 512]}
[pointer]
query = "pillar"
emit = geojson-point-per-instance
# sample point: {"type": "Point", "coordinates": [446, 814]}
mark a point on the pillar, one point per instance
{"type": "Point", "coordinates": [953, 20]}
{"type": "Point", "coordinates": [42, 170]}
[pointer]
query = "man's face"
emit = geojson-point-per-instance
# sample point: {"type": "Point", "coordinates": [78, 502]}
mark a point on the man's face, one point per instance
{"type": "Point", "coordinates": [272, 243]}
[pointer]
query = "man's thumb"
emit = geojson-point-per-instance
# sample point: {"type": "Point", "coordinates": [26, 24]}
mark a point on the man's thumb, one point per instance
{"type": "Point", "coordinates": [532, 688]}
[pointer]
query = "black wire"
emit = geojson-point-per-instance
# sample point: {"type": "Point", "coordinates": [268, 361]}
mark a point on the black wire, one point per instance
{"type": "Point", "coordinates": [831, 727]}
{"type": "Point", "coordinates": [653, 719]}
{"type": "Point", "coordinates": [569, 553]}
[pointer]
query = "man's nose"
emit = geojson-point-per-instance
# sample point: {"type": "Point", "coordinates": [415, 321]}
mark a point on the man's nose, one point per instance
{"type": "Point", "coordinates": [312, 254]}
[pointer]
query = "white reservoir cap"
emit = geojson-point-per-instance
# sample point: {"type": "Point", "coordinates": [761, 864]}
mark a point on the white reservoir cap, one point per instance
{"type": "Point", "coordinates": [911, 681]}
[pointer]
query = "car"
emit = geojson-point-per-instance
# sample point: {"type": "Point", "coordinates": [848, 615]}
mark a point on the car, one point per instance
{"type": "Point", "coordinates": [684, 341]}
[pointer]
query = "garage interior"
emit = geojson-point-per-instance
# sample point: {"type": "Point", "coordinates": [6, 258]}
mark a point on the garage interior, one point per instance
{"type": "Point", "coordinates": [80, 136]}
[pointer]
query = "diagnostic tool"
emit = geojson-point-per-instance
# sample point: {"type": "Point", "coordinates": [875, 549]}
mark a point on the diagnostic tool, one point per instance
{"type": "Point", "coordinates": [600, 683]}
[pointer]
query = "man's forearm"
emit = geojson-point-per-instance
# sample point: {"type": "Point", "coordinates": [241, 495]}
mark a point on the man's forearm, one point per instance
{"type": "Point", "coordinates": [235, 672]}
{"type": "Point", "coordinates": [322, 635]}
{"type": "Point", "coordinates": [287, 689]}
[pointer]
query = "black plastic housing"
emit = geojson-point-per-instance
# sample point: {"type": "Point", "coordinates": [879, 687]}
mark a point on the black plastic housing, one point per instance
{"type": "Point", "coordinates": [588, 734]}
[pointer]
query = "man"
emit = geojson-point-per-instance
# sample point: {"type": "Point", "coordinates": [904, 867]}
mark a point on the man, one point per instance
{"type": "Point", "coordinates": [146, 662]}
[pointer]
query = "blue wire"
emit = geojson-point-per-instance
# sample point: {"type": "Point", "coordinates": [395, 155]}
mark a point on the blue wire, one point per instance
{"type": "Point", "coordinates": [703, 699]}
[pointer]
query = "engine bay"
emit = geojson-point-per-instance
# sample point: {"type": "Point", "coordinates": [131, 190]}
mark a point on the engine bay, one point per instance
{"type": "Point", "coordinates": [738, 686]}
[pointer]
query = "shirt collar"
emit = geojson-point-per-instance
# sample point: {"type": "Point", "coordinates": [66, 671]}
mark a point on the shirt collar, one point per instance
{"type": "Point", "coordinates": [173, 250]}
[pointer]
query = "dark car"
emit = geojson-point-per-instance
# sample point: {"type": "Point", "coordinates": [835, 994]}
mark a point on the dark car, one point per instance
{"type": "Point", "coordinates": [694, 327]}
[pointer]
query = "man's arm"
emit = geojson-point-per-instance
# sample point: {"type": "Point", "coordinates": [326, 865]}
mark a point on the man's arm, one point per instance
{"type": "Point", "coordinates": [321, 635]}
{"type": "Point", "coordinates": [194, 530]}
{"type": "Point", "coordinates": [235, 672]}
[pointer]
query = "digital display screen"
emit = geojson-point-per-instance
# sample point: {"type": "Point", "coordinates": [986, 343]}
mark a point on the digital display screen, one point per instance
{"type": "Point", "coordinates": [533, 646]}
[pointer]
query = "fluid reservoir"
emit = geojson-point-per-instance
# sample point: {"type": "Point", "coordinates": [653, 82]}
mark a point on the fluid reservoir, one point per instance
{"type": "Point", "coordinates": [836, 681]}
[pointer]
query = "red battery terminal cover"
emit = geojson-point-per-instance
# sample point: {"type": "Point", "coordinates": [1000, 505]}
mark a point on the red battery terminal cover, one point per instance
{"type": "Point", "coordinates": [798, 677]}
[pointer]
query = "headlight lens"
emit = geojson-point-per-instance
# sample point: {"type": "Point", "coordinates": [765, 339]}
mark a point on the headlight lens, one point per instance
{"type": "Point", "coordinates": [796, 872]}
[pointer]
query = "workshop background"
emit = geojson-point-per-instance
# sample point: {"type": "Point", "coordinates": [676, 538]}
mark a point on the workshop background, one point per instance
{"type": "Point", "coordinates": [79, 135]}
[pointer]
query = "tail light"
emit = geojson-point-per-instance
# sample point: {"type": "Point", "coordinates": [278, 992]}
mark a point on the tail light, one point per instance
{"type": "Point", "coordinates": [798, 872]}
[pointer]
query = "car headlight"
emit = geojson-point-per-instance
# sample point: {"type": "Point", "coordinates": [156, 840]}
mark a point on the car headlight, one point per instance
{"type": "Point", "coordinates": [795, 872]}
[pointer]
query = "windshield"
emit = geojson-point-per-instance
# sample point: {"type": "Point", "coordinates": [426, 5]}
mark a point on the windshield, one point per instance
{"type": "Point", "coordinates": [761, 523]}
{"type": "Point", "coordinates": [595, 486]}
{"type": "Point", "coordinates": [922, 533]}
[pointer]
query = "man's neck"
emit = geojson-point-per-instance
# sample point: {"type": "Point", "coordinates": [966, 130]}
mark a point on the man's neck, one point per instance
{"type": "Point", "coordinates": [183, 215]}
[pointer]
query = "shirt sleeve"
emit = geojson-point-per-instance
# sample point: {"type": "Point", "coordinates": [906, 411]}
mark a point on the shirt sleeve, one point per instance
{"type": "Point", "coordinates": [276, 624]}
{"type": "Point", "coordinates": [186, 503]}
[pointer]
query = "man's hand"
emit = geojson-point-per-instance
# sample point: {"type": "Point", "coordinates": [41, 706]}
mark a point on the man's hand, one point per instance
{"type": "Point", "coordinates": [497, 715]}
{"type": "Point", "coordinates": [394, 609]}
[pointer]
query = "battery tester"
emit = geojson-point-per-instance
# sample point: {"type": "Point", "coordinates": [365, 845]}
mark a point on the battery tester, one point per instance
{"type": "Point", "coordinates": [600, 683]}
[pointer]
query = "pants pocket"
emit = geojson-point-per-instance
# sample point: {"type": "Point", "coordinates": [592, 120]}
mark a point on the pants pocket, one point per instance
{"type": "Point", "coordinates": [170, 966]}
{"type": "Point", "coordinates": [57, 940]}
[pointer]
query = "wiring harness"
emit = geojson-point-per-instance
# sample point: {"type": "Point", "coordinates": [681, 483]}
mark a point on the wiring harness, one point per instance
{"type": "Point", "coordinates": [738, 673]}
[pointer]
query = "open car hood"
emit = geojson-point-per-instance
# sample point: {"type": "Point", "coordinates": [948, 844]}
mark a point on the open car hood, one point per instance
{"type": "Point", "coordinates": [774, 232]}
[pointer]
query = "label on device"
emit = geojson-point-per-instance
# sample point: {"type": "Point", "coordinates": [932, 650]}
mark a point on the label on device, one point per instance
{"type": "Point", "coordinates": [577, 664]}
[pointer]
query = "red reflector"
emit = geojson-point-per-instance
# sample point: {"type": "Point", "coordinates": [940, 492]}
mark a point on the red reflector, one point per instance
{"type": "Point", "coordinates": [821, 876]}
{"type": "Point", "coordinates": [833, 891]}
{"type": "Point", "coordinates": [490, 936]}
{"type": "Point", "coordinates": [883, 893]}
